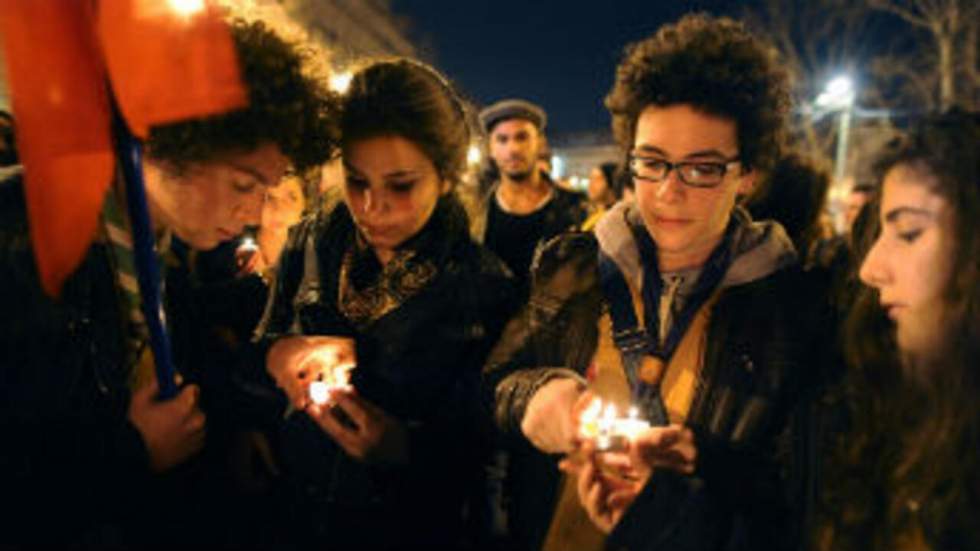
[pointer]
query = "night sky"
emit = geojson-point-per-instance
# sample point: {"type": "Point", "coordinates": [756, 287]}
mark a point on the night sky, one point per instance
{"type": "Point", "coordinates": [561, 55]}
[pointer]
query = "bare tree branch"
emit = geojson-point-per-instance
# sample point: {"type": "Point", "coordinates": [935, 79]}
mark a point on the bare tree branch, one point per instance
{"type": "Point", "coordinates": [891, 6]}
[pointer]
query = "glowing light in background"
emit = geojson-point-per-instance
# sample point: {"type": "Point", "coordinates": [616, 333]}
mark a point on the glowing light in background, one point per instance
{"type": "Point", "coordinates": [557, 166]}
{"type": "Point", "coordinates": [340, 82]}
{"type": "Point", "coordinates": [187, 8]}
{"type": "Point", "coordinates": [473, 155]}
{"type": "Point", "coordinates": [838, 94]}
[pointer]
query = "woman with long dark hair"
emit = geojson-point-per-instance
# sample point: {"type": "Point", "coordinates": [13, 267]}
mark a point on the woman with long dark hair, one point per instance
{"type": "Point", "coordinates": [905, 474]}
{"type": "Point", "coordinates": [390, 287]}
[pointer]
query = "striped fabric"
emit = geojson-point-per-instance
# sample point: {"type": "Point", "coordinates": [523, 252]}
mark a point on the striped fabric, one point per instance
{"type": "Point", "coordinates": [119, 238]}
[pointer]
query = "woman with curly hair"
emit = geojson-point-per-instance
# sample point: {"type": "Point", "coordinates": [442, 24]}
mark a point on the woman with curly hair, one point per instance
{"type": "Point", "coordinates": [711, 332]}
{"type": "Point", "coordinates": [390, 288]}
{"type": "Point", "coordinates": [906, 474]}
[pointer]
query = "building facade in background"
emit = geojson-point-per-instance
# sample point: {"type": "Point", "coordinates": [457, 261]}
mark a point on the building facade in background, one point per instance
{"type": "Point", "coordinates": [575, 155]}
{"type": "Point", "coordinates": [352, 29]}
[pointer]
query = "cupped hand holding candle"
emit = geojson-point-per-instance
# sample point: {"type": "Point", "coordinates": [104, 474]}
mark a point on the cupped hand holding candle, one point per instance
{"type": "Point", "coordinates": [671, 447]}
{"type": "Point", "coordinates": [365, 431]}
{"type": "Point", "coordinates": [608, 481]}
{"type": "Point", "coordinates": [604, 495]}
{"type": "Point", "coordinates": [332, 378]}
{"type": "Point", "coordinates": [296, 362]}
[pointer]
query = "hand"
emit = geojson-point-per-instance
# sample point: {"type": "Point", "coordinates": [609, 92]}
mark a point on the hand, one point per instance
{"type": "Point", "coordinates": [173, 430]}
{"type": "Point", "coordinates": [669, 447]}
{"type": "Point", "coordinates": [362, 429]}
{"type": "Point", "coordinates": [609, 482]}
{"type": "Point", "coordinates": [604, 494]}
{"type": "Point", "coordinates": [295, 362]}
{"type": "Point", "coordinates": [551, 418]}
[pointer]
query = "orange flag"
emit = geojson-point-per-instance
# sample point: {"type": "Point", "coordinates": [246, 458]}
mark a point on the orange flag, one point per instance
{"type": "Point", "coordinates": [164, 64]}
{"type": "Point", "coordinates": [168, 60]}
{"type": "Point", "coordinates": [61, 106]}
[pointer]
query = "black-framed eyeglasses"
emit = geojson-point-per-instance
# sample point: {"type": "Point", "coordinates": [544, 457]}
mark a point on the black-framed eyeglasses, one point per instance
{"type": "Point", "coordinates": [699, 174]}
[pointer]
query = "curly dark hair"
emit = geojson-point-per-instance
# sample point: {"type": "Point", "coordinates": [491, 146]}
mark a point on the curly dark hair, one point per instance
{"type": "Point", "coordinates": [911, 457]}
{"type": "Point", "coordinates": [287, 107]}
{"type": "Point", "coordinates": [407, 98]}
{"type": "Point", "coordinates": [714, 65]}
{"type": "Point", "coordinates": [793, 194]}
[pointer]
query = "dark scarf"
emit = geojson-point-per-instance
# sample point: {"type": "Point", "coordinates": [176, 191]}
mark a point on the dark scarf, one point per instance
{"type": "Point", "coordinates": [369, 290]}
{"type": "Point", "coordinates": [708, 280]}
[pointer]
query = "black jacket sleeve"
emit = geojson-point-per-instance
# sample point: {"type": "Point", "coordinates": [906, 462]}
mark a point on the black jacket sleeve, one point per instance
{"type": "Point", "coordinates": [553, 335]}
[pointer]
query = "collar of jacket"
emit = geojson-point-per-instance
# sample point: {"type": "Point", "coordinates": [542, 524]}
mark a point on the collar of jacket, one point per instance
{"type": "Point", "coordinates": [436, 241]}
{"type": "Point", "coordinates": [760, 248]}
{"type": "Point", "coordinates": [478, 214]}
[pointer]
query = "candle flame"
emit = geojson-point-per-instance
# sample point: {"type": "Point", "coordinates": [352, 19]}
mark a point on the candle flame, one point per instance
{"type": "Point", "coordinates": [588, 420]}
{"type": "Point", "coordinates": [319, 392]}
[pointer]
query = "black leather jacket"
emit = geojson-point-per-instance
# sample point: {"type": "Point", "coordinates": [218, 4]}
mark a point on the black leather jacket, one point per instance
{"type": "Point", "coordinates": [419, 363]}
{"type": "Point", "coordinates": [70, 461]}
{"type": "Point", "coordinates": [766, 347]}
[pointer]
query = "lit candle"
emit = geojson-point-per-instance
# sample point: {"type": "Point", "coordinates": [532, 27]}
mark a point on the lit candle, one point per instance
{"type": "Point", "coordinates": [601, 424]}
{"type": "Point", "coordinates": [331, 378]}
{"type": "Point", "coordinates": [631, 426]}
{"type": "Point", "coordinates": [589, 419]}
{"type": "Point", "coordinates": [248, 244]}
{"type": "Point", "coordinates": [319, 392]}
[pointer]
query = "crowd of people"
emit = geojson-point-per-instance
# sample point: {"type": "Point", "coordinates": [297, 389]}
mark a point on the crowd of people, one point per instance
{"type": "Point", "coordinates": [394, 362]}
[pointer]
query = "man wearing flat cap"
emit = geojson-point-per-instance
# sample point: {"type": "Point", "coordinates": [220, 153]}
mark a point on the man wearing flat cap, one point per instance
{"type": "Point", "coordinates": [523, 207]}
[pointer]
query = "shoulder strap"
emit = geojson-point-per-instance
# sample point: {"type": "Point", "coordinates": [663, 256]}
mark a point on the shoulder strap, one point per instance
{"type": "Point", "coordinates": [627, 320]}
{"type": "Point", "coordinates": [679, 382]}
{"type": "Point", "coordinates": [665, 392]}
{"type": "Point", "coordinates": [310, 287]}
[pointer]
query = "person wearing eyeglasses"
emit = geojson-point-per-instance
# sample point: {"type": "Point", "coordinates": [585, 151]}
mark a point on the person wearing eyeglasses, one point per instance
{"type": "Point", "coordinates": [682, 307]}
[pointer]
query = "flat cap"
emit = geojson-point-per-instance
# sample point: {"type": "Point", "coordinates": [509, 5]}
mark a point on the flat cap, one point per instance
{"type": "Point", "coordinates": [512, 109]}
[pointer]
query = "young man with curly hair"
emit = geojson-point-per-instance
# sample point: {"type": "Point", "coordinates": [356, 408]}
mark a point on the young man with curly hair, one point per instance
{"type": "Point", "coordinates": [88, 445]}
{"type": "Point", "coordinates": [708, 324]}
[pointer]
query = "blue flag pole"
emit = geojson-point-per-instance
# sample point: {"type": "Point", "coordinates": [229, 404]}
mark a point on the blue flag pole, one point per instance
{"type": "Point", "coordinates": [130, 154]}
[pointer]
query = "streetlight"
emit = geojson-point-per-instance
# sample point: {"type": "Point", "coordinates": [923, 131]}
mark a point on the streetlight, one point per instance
{"type": "Point", "coordinates": [839, 95]}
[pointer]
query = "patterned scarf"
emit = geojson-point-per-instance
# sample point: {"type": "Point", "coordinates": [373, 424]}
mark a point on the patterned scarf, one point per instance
{"type": "Point", "coordinates": [400, 279]}
{"type": "Point", "coordinates": [118, 237]}
{"type": "Point", "coordinates": [368, 291]}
